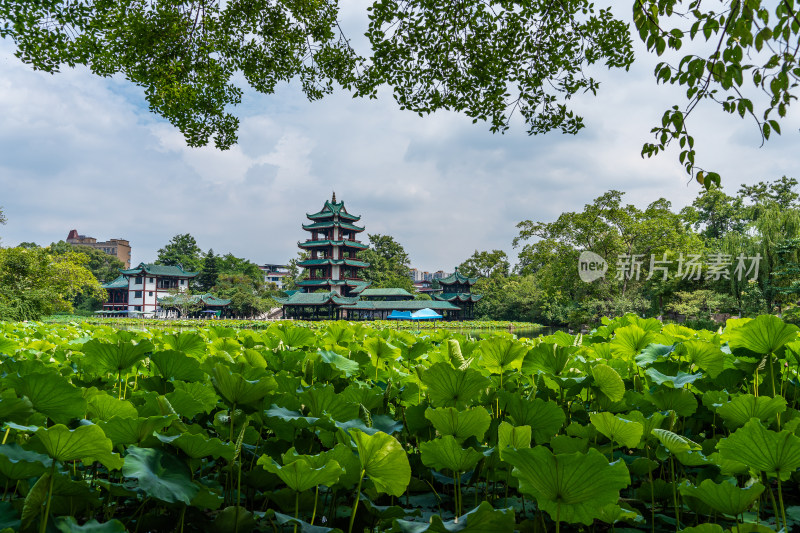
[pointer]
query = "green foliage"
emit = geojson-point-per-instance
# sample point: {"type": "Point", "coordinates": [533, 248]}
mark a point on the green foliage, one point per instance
{"type": "Point", "coordinates": [181, 250]}
{"type": "Point", "coordinates": [34, 283]}
{"type": "Point", "coordinates": [210, 427]}
{"type": "Point", "coordinates": [388, 263]}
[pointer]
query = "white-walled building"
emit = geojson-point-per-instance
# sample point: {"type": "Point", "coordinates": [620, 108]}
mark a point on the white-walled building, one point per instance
{"type": "Point", "coordinates": [142, 286]}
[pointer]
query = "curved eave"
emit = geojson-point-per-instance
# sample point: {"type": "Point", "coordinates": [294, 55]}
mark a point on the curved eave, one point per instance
{"type": "Point", "coordinates": [342, 243]}
{"type": "Point", "coordinates": [311, 263]}
{"type": "Point", "coordinates": [331, 224]}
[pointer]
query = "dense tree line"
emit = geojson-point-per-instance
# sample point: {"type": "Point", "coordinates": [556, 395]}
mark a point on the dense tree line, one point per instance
{"type": "Point", "coordinates": [735, 254]}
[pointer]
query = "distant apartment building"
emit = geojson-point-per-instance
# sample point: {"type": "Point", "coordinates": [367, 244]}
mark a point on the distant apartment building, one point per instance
{"type": "Point", "coordinates": [119, 248]}
{"type": "Point", "coordinates": [275, 274]}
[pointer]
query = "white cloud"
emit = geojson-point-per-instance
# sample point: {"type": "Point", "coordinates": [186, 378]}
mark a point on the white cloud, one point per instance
{"type": "Point", "coordinates": [83, 152]}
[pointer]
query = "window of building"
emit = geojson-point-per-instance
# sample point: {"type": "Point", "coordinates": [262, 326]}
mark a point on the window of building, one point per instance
{"type": "Point", "coordinates": [183, 282]}
{"type": "Point", "coordinates": [137, 294]}
{"type": "Point", "coordinates": [150, 293]}
{"type": "Point", "coordinates": [149, 280]}
{"type": "Point", "coordinates": [138, 307]}
{"type": "Point", "coordinates": [138, 280]}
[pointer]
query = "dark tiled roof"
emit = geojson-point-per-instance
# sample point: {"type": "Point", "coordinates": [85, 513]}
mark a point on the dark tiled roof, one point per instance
{"type": "Point", "coordinates": [159, 270]}
{"type": "Point", "coordinates": [333, 208]}
{"type": "Point", "coordinates": [345, 243]}
{"type": "Point", "coordinates": [119, 283]}
{"type": "Point", "coordinates": [330, 224]}
{"type": "Point", "coordinates": [317, 262]}
{"type": "Point", "coordinates": [403, 305]}
{"type": "Point", "coordinates": [457, 277]}
{"type": "Point", "coordinates": [377, 293]}
{"type": "Point", "coordinates": [458, 297]}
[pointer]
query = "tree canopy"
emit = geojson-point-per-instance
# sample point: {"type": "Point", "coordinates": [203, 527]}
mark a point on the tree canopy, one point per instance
{"type": "Point", "coordinates": [487, 59]}
{"type": "Point", "coordinates": [35, 282]}
{"type": "Point", "coordinates": [181, 250]}
{"type": "Point", "coordinates": [388, 263]}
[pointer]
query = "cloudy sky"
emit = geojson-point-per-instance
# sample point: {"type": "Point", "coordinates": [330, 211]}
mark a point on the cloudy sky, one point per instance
{"type": "Point", "coordinates": [81, 152]}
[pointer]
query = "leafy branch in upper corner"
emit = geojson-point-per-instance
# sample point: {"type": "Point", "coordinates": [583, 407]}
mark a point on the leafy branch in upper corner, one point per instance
{"type": "Point", "coordinates": [747, 41]}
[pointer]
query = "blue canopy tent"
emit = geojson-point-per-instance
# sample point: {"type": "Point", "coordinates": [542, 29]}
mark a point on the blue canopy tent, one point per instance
{"type": "Point", "coordinates": [399, 315]}
{"type": "Point", "coordinates": [425, 314]}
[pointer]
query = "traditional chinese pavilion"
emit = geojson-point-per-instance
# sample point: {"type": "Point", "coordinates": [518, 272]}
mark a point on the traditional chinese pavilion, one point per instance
{"type": "Point", "coordinates": [334, 287]}
{"type": "Point", "coordinates": [333, 246]}
{"type": "Point", "coordinates": [457, 289]}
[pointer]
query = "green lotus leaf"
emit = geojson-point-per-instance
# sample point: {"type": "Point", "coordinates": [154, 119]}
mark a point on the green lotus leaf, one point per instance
{"type": "Point", "coordinates": [653, 353]}
{"type": "Point", "coordinates": [706, 528]}
{"type": "Point", "coordinates": [105, 357]}
{"type": "Point", "coordinates": [566, 444]}
{"type": "Point", "coordinates": [705, 356]}
{"type": "Point", "coordinates": [18, 463]}
{"type": "Point", "coordinates": [187, 342]}
{"type": "Point", "coordinates": [776, 453]}
{"type": "Point", "coordinates": [337, 334]}
{"type": "Point", "coordinates": [619, 430]}
{"type": "Point", "coordinates": [68, 524]}
{"type": "Point", "coordinates": [724, 497]}
{"type": "Point", "coordinates": [482, 519]}
{"type": "Point", "coordinates": [608, 381]}
{"type": "Point", "coordinates": [86, 443]}
{"type": "Point", "coordinates": [362, 394]}
{"type": "Point", "coordinates": [573, 487]}
{"type": "Point", "coordinates": [513, 436]}
{"type": "Point", "coordinates": [347, 366]}
{"type": "Point", "coordinates": [682, 401]}
{"type": "Point", "coordinates": [675, 443]}
{"type": "Point", "coordinates": [191, 399]}
{"type": "Point", "coordinates": [611, 514]}
{"type": "Point", "coordinates": [293, 336]}
{"type": "Point", "coordinates": [673, 382]}
{"type": "Point", "coordinates": [300, 476]}
{"type": "Point", "coordinates": [741, 409]}
{"type": "Point", "coordinates": [379, 423]}
{"type": "Point", "coordinates": [173, 364]}
{"type": "Point", "coordinates": [545, 417]}
{"type": "Point", "coordinates": [499, 355]}
{"type": "Point", "coordinates": [104, 406]}
{"type": "Point", "coordinates": [160, 475]}
{"type": "Point", "coordinates": [34, 500]}
{"type": "Point", "coordinates": [384, 460]}
{"type": "Point", "coordinates": [462, 424]}
{"type": "Point", "coordinates": [550, 359]}
{"type": "Point", "coordinates": [380, 351]}
{"type": "Point", "coordinates": [302, 526]}
{"type": "Point", "coordinates": [648, 423]}
{"type": "Point", "coordinates": [292, 417]}
{"type": "Point", "coordinates": [344, 456]}
{"type": "Point", "coordinates": [8, 346]}
{"type": "Point", "coordinates": [13, 409]}
{"type": "Point", "coordinates": [239, 391]}
{"type": "Point", "coordinates": [9, 518]}
{"type": "Point", "coordinates": [714, 399]}
{"type": "Point", "coordinates": [134, 430]}
{"type": "Point", "coordinates": [323, 400]}
{"type": "Point", "coordinates": [764, 335]}
{"type": "Point", "coordinates": [226, 348]}
{"type": "Point", "coordinates": [198, 446]}
{"type": "Point", "coordinates": [52, 395]}
{"type": "Point", "coordinates": [629, 341]}
{"type": "Point", "coordinates": [692, 458]}
{"type": "Point", "coordinates": [448, 387]}
{"type": "Point", "coordinates": [208, 497]}
{"type": "Point", "coordinates": [447, 454]}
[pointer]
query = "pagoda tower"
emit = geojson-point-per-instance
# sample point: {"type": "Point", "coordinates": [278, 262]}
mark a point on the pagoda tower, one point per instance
{"type": "Point", "coordinates": [333, 246]}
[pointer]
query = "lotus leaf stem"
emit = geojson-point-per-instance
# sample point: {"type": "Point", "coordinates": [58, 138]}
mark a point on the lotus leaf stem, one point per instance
{"type": "Point", "coordinates": [355, 505]}
{"type": "Point", "coordinates": [783, 509]}
{"type": "Point", "coordinates": [43, 526]}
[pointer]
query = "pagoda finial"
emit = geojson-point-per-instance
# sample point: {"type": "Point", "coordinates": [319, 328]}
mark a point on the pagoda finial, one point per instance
{"type": "Point", "coordinates": [333, 201]}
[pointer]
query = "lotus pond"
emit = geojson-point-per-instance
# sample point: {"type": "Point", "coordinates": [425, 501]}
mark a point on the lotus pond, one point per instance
{"type": "Point", "coordinates": [637, 426]}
